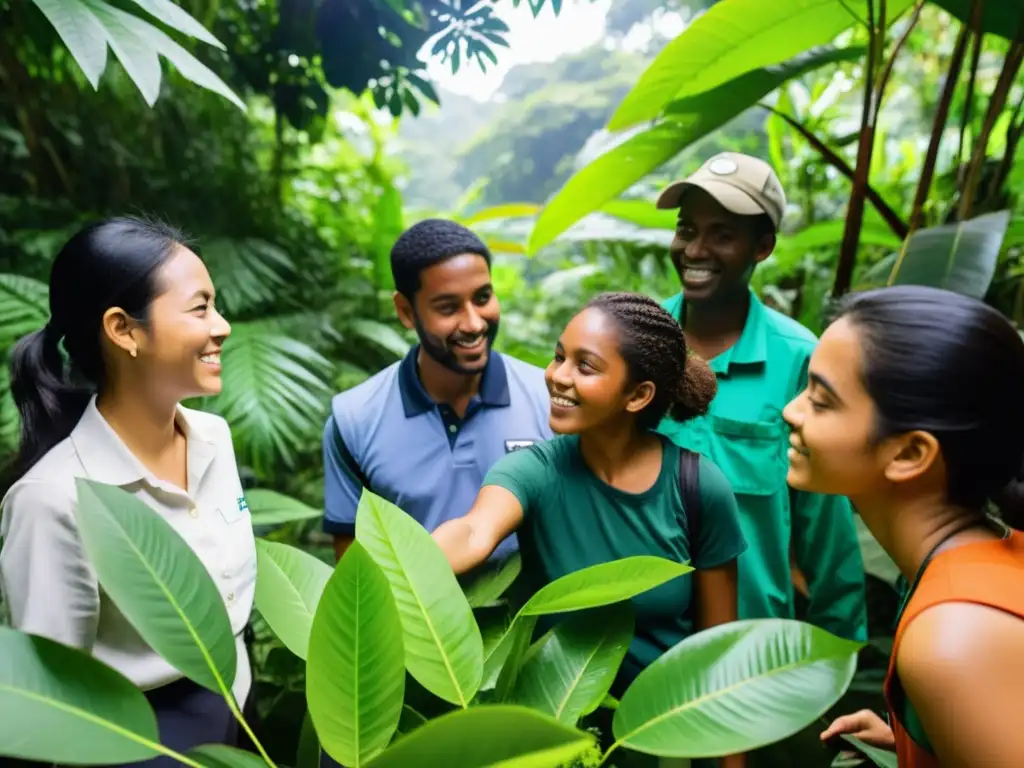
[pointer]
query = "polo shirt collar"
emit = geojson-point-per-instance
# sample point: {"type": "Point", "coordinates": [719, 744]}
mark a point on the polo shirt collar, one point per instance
{"type": "Point", "coordinates": [415, 400]}
{"type": "Point", "coordinates": [107, 459]}
{"type": "Point", "coordinates": [751, 348]}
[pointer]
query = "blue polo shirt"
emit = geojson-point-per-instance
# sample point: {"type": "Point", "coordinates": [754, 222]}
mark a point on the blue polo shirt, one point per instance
{"type": "Point", "coordinates": [389, 436]}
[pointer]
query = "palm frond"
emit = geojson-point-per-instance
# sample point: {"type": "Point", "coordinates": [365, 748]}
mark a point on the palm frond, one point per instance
{"type": "Point", "coordinates": [24, 307]}
{"type": "Point", "coordinates": [249, 273]}
{"type": "Point", "coordinates": [275, 395]}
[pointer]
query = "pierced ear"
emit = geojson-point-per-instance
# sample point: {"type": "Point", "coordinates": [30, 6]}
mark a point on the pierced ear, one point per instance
{"type": "Point", "coordinates": [913, 455]}
{"type": "Point", "coordinates": [641, 397]}
{"type": "Point", "coordinates": [404, 308]}
{"type": "Point", "coordinates": [121, 329]}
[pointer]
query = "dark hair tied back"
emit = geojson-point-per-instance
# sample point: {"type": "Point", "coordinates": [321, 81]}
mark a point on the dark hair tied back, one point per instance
{"type": "Point", "coordinates": [952, 366]}
{"type": "Point", "coordinates": [654, 348]}
{"type": "Point", "coordinates": [112, 262]}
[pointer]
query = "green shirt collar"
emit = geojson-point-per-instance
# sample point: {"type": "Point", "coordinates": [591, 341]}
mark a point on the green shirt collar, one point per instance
{"type": "Point", "coordinates": [752, 346]}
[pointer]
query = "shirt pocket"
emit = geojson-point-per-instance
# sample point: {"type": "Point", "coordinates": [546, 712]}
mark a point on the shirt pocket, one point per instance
{"type": "Point", "coordinates": [751, 454]}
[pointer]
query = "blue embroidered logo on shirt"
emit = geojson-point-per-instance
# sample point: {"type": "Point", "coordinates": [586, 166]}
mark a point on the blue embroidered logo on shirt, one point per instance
{"type": "Point", "coordinates": [242, 506]}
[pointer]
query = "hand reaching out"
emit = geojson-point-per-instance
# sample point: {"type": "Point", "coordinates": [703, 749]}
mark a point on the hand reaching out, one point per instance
{"type": "Point", "coordinates": [864, 725]}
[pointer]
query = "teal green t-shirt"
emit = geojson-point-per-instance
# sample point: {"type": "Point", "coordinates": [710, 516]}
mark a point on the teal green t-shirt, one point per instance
{"type": "Point", "coordinates": [572, 519]}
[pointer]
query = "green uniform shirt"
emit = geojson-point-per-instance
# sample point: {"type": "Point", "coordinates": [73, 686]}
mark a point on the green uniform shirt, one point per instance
{"type": "Point", "coordinates": [745, 436]}
{"type": "Point", "coordinates": [572, 519]}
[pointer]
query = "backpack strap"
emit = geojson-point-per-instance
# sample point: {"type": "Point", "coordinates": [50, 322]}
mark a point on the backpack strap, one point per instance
{"type": "Point", "coordinates": [689, 491]}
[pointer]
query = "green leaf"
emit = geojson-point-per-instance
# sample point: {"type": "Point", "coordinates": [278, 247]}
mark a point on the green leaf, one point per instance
{"type": "Point", "coordinates": [382, 335]}
{"type": "Point", "coordinates": [643, 213]}
{"type": "Point", "coordinates": [505, 211]}
{"type": "Point", "coordinates": [188, 66]}
{"type": "Point", "coordinates": [880, 757]}
{"type": "Point", "coordinates": [24, 307]}
{"type": "Point", "coordinates": [517, 641]}
{"type": "Point", "coordinates": [567, 673]}
{"type": "Point", "coordinates": [686, 120]}
{"type": "Point", "coordinates": [603, 584]}
{"type": "Point", "coordinates": [269, 507]}
{"type": "Point", "coordinates": [735, 687]}
{"type": "Point", "coordinates": [998, 17]}
{"type": "Point", "coordinates": [443, 645]}
{"type": "Point", "coordinates": [249, 273]}
{"type": "Point", "coordinates": [174, 16]}
{"type": "Point", "coordinates": [289, 585]}
{"type": "Point", "coordinates": [791, 249]}
{"type": "Point", "coordinates": [82, 33]}
{"type": "Point", "coordinates": [275, 391]}
{"type": "Point", "coordinates": [139, 59]}
{"type": "Point", "coordinates": [959, 257]}
{"type": "Point", "coordinates": [731, 40]}
{"type": "Point", "coordinates": [488, 737]}
{"type": "Point", "coordinates": [355, 680]}
{"type": "Point", "coordinates": [158, 582]}
{"type": "Point", "coordinates": [223, 756]}
{"type": "Point", "coordinates": [308, 753]}
{"type": "Point", "coordinates": [47, 688]}
{"type": "Point", "coordinates": [491, 584]}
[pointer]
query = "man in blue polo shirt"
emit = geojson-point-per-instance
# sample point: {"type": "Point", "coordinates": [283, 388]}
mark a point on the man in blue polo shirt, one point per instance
{"type": "Point", "coordinates": [423, 432]}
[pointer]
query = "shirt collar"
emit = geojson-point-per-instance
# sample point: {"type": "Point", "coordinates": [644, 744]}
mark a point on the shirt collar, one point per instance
{"type": "Point", "coordinates": [751, 348]}
{"type": "Point", "coordinates": [415, 400]}
{"type": "Point", "coordinates": [108, 460]}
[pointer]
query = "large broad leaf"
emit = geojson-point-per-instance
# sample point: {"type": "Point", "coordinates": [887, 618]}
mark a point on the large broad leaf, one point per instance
{"type": "Point", "coordinates": [223, 756]}
{"type": "Point", "coordinates": [491, 584]}
{"type": "Point", "coordinates": [173, 16]}
{"type": "Point", "coordinates": [643, 213]}
{"type": "Point", "coordinates": [355, 676]}
{"type": "Point", "coordinates": [81, 32]}
{"type": "Point", "coordinates": [686, 120]}
{"type": "Point", "coordinates": [880, 757]}
{"type": "Point", "coordinates": [443, 646]}
{"type": "Point", "coordinates": [24, 307]}
{"type": "Point", "coordinates": [139, 59]}
{"type": "Point", "coordinates": [272, 508]}
{"type": "Point", "coordinates": [732, 39]}
{"type": "Point", "coordinates": [60, 705]}
{"type": "Point", "coordinates": [158, 582]}
{"type": "Point", "coordinates": [998, 17]}
{"type": "Point", "coordinates": [382, 335]}
{"type": "Point", "coordinates": [959, 257]}
{"type": "Point", "coordinates": [10, 419]}
{"type": "Point", "coordinates": [603, 584]}
{"type": "Point", "coordinates": [568, 672]}
{"type": "Point", "coordinates": [734, 688]}
{"type": "Point", "coordinates": [289, 586]}
{"type": "Point", "coordinates": [275, 394]}
{"type": "Point", "coordinates": [485, 736]}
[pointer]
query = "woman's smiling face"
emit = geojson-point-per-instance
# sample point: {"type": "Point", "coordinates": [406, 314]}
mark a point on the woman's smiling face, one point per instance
{"type": "Point", "coordinates": [588, 379]}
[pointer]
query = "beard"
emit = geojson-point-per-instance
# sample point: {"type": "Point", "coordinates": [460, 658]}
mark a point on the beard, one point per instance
{"type": "Point", "coordinates": [442, 350]}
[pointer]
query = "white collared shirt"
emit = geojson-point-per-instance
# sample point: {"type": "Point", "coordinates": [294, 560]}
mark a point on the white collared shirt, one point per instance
{"type": "Point", "coordinates": [51, 588]}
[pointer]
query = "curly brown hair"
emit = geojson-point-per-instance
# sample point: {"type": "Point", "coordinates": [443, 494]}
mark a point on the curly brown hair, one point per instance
{"type": "Point", "coordinates": [652, 343]}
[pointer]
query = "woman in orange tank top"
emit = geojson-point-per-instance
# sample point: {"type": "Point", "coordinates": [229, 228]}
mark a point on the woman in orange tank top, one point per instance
{"type": "Point", "coordinates": [913, 410]}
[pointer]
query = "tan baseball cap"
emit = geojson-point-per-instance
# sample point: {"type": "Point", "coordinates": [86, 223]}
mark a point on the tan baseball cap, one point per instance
{"type": "Point", "coordinates": [740, 183]}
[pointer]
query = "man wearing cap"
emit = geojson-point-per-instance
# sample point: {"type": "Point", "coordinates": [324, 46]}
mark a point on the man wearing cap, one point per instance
{"type": "Point", "coordinates": [729, 214]}
{"type": "Point", "coordinates": [423, 432]}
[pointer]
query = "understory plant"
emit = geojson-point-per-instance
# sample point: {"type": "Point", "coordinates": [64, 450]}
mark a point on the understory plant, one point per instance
{"type": "Point", "coordinates": [389, 627]}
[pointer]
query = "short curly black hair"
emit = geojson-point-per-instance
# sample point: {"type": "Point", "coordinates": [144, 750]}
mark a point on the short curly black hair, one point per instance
{"type": "Point", "coordinates": [427, 243]}
{"type": "Point", "coordinates": [651, 342]}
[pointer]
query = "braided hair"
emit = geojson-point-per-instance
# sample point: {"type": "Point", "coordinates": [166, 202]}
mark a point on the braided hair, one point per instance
{"type": "Point", "coordinates": [651, 342]}
{"type": "Point", "coordinates": [427, 243]}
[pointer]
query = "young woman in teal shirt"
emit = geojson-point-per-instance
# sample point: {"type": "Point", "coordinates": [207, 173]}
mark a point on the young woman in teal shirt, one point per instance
{"type": "Point", "coordinates": [607, 486]}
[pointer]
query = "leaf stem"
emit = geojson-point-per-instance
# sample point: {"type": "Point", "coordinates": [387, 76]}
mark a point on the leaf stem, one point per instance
{"type": "Point", "coordinates": [233, 706]}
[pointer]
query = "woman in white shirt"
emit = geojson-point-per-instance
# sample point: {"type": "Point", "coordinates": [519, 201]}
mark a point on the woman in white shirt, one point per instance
{"type": "Point", "coordinates": [134, 309]}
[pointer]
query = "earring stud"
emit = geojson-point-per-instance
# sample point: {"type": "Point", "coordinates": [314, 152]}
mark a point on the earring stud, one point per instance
{"type": "Point", "coordinates": [134, 352]}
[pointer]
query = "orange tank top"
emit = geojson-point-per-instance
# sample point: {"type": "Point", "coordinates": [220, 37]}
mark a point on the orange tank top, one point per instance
{"type": "Point", "coordinates": [988, 573]}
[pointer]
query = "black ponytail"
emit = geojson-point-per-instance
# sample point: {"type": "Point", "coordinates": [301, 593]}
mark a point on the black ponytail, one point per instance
{"type": "Point", "coordinates": [109, 263]}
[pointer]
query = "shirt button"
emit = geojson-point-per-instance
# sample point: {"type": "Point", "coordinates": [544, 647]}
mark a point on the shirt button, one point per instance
{"type": "Point", "coordinates": [453, 429]}
{"type": "Point", "coordinates": [231, 597]}
{"type": "Point", "coordinates": [226, 574]}
{"type": "Point", "coordinates": [192, 511]}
